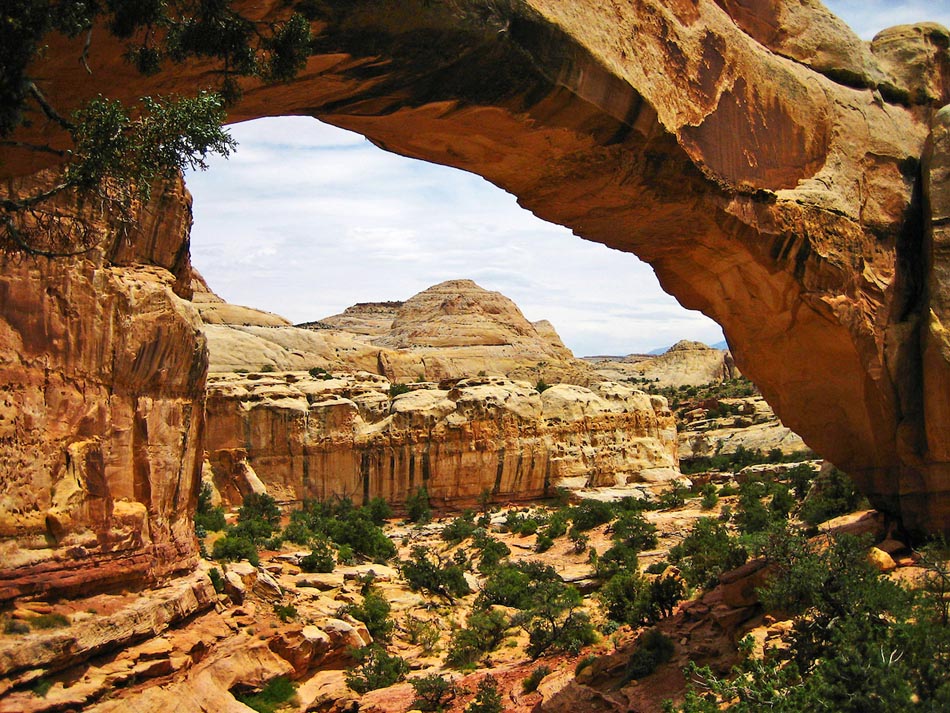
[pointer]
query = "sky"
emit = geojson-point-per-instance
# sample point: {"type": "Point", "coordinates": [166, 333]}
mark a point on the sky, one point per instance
{"type": "Point", "coordinates": [305, 220]}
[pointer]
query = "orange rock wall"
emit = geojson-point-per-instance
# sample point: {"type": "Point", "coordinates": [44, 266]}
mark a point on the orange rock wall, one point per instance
{"type": "Point", "coordinates": [502, 438]}
{"type": "Point", "coordinates": [102, 371]}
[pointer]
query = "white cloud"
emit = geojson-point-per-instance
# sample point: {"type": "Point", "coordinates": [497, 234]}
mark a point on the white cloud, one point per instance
{"type": "Point", "coordinates": [868, 17]}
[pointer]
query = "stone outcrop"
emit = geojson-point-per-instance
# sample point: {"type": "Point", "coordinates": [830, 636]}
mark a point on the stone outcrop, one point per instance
{"type": "Point", "coordinates": [751, 424]}
{"type": "Point", "coordinates": [449, 331]}
{"type": "Point", "coordinates": [102, 366]}
{"type": "Point", "coordinates": [311, 438]}
{"type": "Point", "coordinates": [686, 363]}
{"type": "Point", "coordinates": [773, 183]}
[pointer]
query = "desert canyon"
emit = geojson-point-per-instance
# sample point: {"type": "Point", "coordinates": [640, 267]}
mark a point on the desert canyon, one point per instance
{"type": "Point", "coordinates": [781, 175]}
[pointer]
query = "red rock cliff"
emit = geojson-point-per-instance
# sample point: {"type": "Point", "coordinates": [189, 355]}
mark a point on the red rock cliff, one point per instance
{"type": "Point", "coordinates": [102, 367]}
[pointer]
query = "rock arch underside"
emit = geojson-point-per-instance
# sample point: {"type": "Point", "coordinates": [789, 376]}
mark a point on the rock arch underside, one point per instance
{"type": "Point", "coordinates": [781, 175]}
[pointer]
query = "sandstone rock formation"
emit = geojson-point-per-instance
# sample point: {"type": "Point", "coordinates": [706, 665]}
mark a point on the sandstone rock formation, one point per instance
{"type": "Point", "coordinates": [311, 438]}
{"type": "Point", "coordinates": [753, 427]}
{"type": "Point", "coordinates": [773, 180]}
{"type": "Point", "coordinates": [448, 331]}
{"type": "Point", "coordinates": [102, 367]}
{"type": "Point", "coordinates": [686, 363]}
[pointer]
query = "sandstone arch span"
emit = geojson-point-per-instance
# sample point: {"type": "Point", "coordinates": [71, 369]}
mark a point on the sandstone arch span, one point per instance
{"type": "Point", "coordinates": [779, 174]}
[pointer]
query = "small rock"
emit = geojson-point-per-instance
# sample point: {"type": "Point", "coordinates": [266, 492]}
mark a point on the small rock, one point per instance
{"type": "Point", "coordinates": [882, 561]}
{"type": "Point", "coordinates": [234, 587]}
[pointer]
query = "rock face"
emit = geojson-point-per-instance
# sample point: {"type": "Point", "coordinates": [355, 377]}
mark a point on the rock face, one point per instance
{"type": "Point", "coordinates": [449, 331]}
{"type": "Point", "coordinates": [771, 176]}
{"type": "Point", "coordinates": [102, 367]}
{"type": "Point", "coordinates": [752, 426]}
{"type": "Point", "coordinates": [684, 364]}
{"type": "Point", "coordinates": [310, 438]}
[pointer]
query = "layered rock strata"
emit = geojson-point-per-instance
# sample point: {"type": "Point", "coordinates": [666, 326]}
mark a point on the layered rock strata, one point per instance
{"type": "Point", "coordinates": [102, 367]}
{"type": "Point", "coordinates": [686, 363]}
{"type": "Point", "coordinates": [309, 438]}
{"type": "Point", "coordinates": [772, 178]}
{"type": "Point", "coordinates": [448, 331]}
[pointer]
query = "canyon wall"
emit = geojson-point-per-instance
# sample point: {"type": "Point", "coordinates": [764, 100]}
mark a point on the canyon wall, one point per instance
{"type": "Point", "coordinates": [302, 438]}
{"type": "Point", "coordinates": [102, 367]}
{"type": "Point", "coordinates": [779, 174]}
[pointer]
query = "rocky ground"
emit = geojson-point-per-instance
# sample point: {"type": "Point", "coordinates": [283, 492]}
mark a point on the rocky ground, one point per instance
{"type": "Point", "coordinates": [188, 647]}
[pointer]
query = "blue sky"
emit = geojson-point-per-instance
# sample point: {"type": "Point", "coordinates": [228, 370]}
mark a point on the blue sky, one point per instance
{"type": "Point", "coordinates": [306, 219]}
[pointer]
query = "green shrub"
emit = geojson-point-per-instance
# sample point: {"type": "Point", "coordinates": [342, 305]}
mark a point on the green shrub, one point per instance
{"type": "Point", "coordinates": [800, 477]}
{"type": "Point", "coordinates": [16, 626]}
{"type": "Point", "coordinates": [49, 621]}
{"type": "Point", "coordinates": [398, 389]}
{"type": "Point", "coordinates": [706, 552]}
{"type": "Point", "coordinates": [322, 558]}
{"type": "Point", "coordinates": [634, 530]}
{"type": "Point", "coordinates": [375, 669]}
{"type": "Point", "coordinates": [487, 698]}
{"type": "Point", "coordinates": [426, 570]}
{"type": "Point", "coordinates": [422, 632]}
{"type": "Point", "coordinates": [543, 543]}
{"type": "Point", "coordinates": [417, 506]}
{"type": "Point", "coordinates": [460, 529]}
{"type": "Point", "coordinates": [378, 510]}
{"type": "Point", "coordinates": [276, 694]}
{"type": "Point", "coordinates": [859, 640]}
{"type": "Point", "coordinates": [373, 611]}
{"type": "Point", "coordinates": [710, 497]}
{"type": "Point", "coordinates": [618, 558]}
{"type": "Point", "coordinates": [491, 551]}
{"type": "Point", "coordinates": [630, 598]}
{"type": "Point", "coordinates": [432, 692]}
{"type": "Point", "coordinates": [831, 495]}
{"type": "Point", "coordinates": [541, 387]}
{"type": "Point", "coordinates": [673, 498]}
{"type": "Point", "coordinates": [584, 663]}
{"type": "Point", "coordinates": [320, 373]}
{"type": "Point", "coordinates": [484, 630]}
{"type": "Point", "coordinates": [533, 679]}
{"type": "Point", "coordinates": [653, 648]}
{"type": "Point", "coordinates": [217, 580]}
{"type": "Point", "coordinates": [285, 612]}
{"type": "Point", "coordinates": [233, 549]}
{"type": "Point", "coordinates": [210, 518]}
{"type": "Point", "coordinates": [590, 513]}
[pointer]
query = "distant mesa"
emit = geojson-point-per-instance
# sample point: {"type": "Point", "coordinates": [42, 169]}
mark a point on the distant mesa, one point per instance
{"type": "Point", "coordinates": [686, 363]}
{"type": "Point", "coordinates": [450, 330]}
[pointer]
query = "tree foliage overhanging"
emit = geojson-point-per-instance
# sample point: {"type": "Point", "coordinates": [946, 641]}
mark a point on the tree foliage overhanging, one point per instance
{"type": "Point", "coordinates": [116, 152]}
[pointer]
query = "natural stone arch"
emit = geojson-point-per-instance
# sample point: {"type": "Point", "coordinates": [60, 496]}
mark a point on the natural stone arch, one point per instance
{"type": "Point", "coordinates": [772, 180]}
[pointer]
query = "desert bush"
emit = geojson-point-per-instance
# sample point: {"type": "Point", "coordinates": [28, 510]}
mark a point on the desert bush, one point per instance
{"type": "Point", "coordinates": [533, 679]}
{"type": "Point", "coordinates": [487, 698]}
{"type": "Point", "coordinates": [322, 558]}
{"type": "Point", "coordinates": [233, 549]}
{"type": "Point", "coordinates": [375, 669]}
{"type": "Point", "coordinates": [432, 692]}
{"type": "Point", "coordinates": [460, 529]}
{"type": "Point", "coordinates": [633, 530]}
{"type": "Point", "coordinates": [422, 632]}
{"type": "Point", "coordinates": [491, 551]}
{"type": "Point", "coordinates": [210, 518]}
{"type": "Point", "coordinates": [590, 513]}
{"type": "Point", "coordinates": [276, 694]}
{"type": "Point", "coordinates": [653, 648]}
{"type": "Point", "coordinates": [484, 630]}
{"type": "Point", "coordinates": [706, 552]}
{"type": "Point", "coordinates": [831, 494]}
{"type": "Point", "coordinates": [373, 611]}
{"type": "Point", "coordinates": [426, 570]}
{"type": "Point", "coordinates": [398, 389]}
{"type": "Point", "coordinates": [417, 506]}
{"type": "Point", "coordinates": [710, 496]}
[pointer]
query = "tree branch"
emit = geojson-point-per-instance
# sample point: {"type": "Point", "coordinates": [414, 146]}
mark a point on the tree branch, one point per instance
{"type": "Point", "coordinates": [50, 112]}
